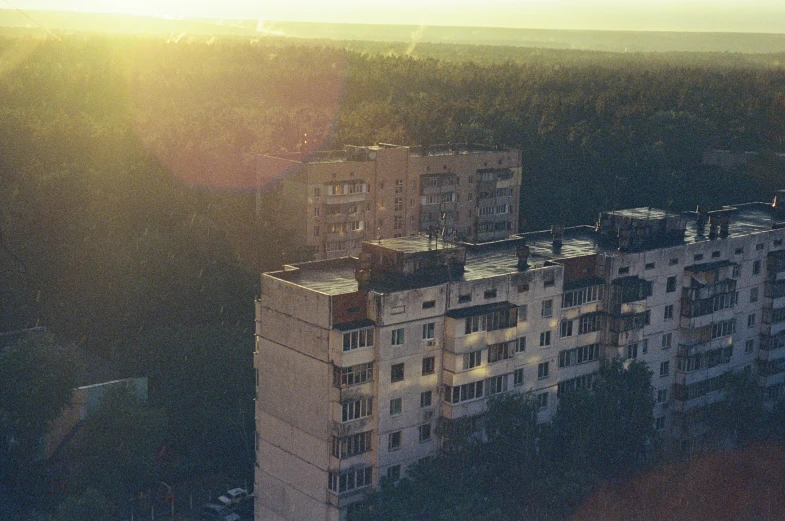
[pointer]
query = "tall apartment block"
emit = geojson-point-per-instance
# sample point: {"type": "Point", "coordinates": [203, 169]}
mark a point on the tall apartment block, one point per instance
{"type": "Point", "coordinates": [342, 198]}
{"type": "Point", "coordinates": [367, 364]}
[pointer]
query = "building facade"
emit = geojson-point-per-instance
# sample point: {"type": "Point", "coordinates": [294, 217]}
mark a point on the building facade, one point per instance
{"type": "Point", "coordinates": [365, 365]}
{"type": "Point", "coordinates": [342, 198]}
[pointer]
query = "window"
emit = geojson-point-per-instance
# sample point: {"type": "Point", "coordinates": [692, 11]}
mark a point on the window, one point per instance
{"type": "Point", "coordinates": [589, 323]}
{"type": "Point", "coordinates": [659, 423]}
{"type": "Point", "coordinates": [715, 254]}
{"type": "Point", "coordinates": [463, 392]}
{"type": "Point", "coordinates": [497, 385]}
{"type": "Point", "coordinates": [356, 409]}
{"type": "Point", "coordinates": [521, 345]}
{"type": "Point", "coordinates": [427, 331]}
{"type": "Point", "coordinates": [542, 370]}
{"type": "Point", "coordinates": [473, 324]}
{"type": "Point", "coordinates": [394, 473]}
{"type": "Point", "coordinates": [673, 262]}
{"type": "Point", "coordinates": [501, 351]}
{"type": "Point", "coordinates": [662, 395]}
{"type": "Point", "coordinates": [462, 299]}
{"type": "Point", "coordinates": [350, 480]}
{"type": "Point", "coordinates": [397, 337]}
{"type": "Point", "coordinates": [545, 339]}
{"type": "Point", "coordinates": [581, 296]}
{"type": "Point", "coordinates": [759, 246]}
{"type": "Point", "coordinates": [396, 405]}
{"type": "Point", "coordinates": [356, 374]}
{"type": "Point", "coordinates": [625, 270]}
{"type": "Point", "coordinates": [566, 328]}
{"type": "Point", "coordinates": [399, 186]}
{"type": "Point", "coordinates": [751, 320]}
{"type": "Point", "coordinates": [631, 352]}
{"type": "Point", "coordinates": [425, 432]}
{"type": "Point", "coordinates": [670, 285]}
{"type": "Point", "coordinates": [547, 308]}
{"type": "Point", "coordinates": [428, 365]}
{"type": "Point", "coordinates": [317, 192]}
{"type": "Point", "coordinates": [738, 251]}
{"type": "Point", "coordinates": [517, 377]}
{"type": "Point", "coordinates": [725, 328]}
{"type": "Point", "coordinates": [756, 267]}
{"type": "Point", "coordinates": [579, 355]}
{"type": "Point", "coordinates": [425, 398]}
{"type": "Point", "coordinates": [649, 266]}
{"type": "Point", "coordinates": [316, 231]}
{"type": "Point", "coordinates": [396, 373]}
{"type": "Point", "coordinates": [585, 381]}
{"type": "Point", "coordinates": [394, 441]}
{"type": "Point", "coordinates": [429, 304]}
{"type": "Point", "coordinates": [697, 257]}
{"type": "Point", "coordinates": [736, 271]}
{"type": "Point", "coordinates": [542, 400]}
{"type": "Point", "coordinates": [749, 345]}
{"type": "Point", "coordinates": [754, 295]}
{"type": "Point", "coordinates": [665, 368]}
{"type": "Point", "coordinates": [667, 340]}
{"type": "Point", "coordinates": [472, 359]}
{"type": "Point", "coordinates": [522, 313]}
{"type": "Point", "coordinates": [358, 339]}
{"type": "Point", "coordinates": [398, 204]}
{"type": "Point", "coordinates": [353, 445]}
{"type": "Point", "coordinates": [668, 314]}
{"type": "Point", "coordinates": [490, 293]}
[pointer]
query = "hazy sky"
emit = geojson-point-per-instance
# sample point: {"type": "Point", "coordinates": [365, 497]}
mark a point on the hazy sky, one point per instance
{"type": "Point", "coordinates": [667, 15]}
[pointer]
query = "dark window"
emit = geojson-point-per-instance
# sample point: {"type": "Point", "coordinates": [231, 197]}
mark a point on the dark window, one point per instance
{"type": "Point", "coordinates": [670, 285]}
{"type": "Point", "coordinates": [428, 365]}
{"type": "Point", "coordinates": [490, 293]}
{"type": "Point", "coordinates": [425, 399]}
{"type": "Point", "coordinates": [396, 373]}
{"type": "Point", "coordinates": [428, 304]}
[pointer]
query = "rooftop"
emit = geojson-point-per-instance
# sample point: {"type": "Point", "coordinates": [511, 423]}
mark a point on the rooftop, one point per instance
{"type": "Point", "coordinates": [337, 276]}
{"type": "Point", "coordinates": [367, 153]}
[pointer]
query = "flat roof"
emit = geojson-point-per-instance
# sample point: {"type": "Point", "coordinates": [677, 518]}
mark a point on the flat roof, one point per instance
{"type": "Point", "coordinates": [334, 277]}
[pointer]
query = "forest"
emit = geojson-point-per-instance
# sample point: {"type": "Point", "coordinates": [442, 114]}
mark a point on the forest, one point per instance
{"type": "Point", "coordinates": [131, 229]}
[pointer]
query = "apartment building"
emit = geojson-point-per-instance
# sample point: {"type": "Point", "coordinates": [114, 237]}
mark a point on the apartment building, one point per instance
{"type": "Point", "coordinates": [341, 198]}
{"type": "Point", "coordinates": [365, 365]}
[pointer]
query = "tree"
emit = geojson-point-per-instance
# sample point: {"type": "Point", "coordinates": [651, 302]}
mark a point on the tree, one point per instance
{"type": "Point", "coordinates": [608, 430]}
{"type": "Point", "coordinates": [37, 378]}
{"type": "Point", "coordinates": [116, 450]}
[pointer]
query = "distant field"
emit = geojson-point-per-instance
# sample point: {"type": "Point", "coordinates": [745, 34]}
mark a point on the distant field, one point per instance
{"type": "Point", "coordinates": [614, 41]}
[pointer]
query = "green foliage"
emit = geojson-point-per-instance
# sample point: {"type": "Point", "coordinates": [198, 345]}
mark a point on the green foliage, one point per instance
{"type": "Point", "coordinates": [610, 429]}
{"type": "Point", "coordinates": [741, 416]}
{"type": "Point", "coordinates": [91, 505]}
{"type": "Point", "coordinates": [37, 378]}
{"type": "Point", "coordinates": [117, 447]}
{"type": "Point", "coordinates": [525, 469]}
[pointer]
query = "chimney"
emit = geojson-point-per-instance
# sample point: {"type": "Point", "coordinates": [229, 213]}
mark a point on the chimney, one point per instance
{"type": "Point", "coordinates": [363, 273]}
{"type": "Point", "coordinates": [700, 224]}
{"type": "Point", "coordinates": [522, 252]}
{"type": "Point", "coordinates": [557, 233]}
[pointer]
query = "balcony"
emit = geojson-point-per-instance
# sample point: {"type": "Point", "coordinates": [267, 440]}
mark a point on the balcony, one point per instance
{"type": "Point", "coordinates": [628, 290]}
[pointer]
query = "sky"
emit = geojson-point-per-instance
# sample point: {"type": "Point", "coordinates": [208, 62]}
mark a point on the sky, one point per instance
{"type": "Point", "coordinates": [758, 16]}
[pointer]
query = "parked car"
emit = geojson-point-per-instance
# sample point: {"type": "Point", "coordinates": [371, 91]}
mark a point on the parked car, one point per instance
{"type": "Point", "coordinates": [214, 512]}
{"type": "Point", "coordinates": [234, 497]}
